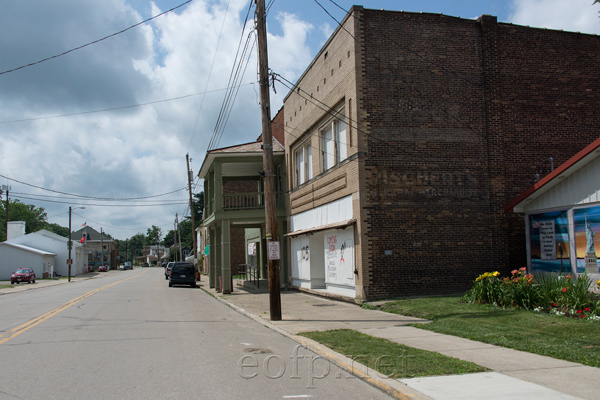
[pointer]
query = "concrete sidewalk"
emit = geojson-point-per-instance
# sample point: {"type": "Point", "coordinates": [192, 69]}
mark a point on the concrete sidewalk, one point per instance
{"type": "Point", "coordinates": [515, 374]}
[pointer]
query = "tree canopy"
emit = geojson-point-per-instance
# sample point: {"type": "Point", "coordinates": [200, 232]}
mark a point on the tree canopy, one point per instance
{"type": "Point", "coordinates": [153, 235]}
{"type": "Point", "coordinates": [35, 217]}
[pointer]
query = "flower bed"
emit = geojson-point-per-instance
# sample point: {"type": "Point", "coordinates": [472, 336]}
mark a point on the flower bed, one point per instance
{"type": "Point", "coordinates": [546, 292]}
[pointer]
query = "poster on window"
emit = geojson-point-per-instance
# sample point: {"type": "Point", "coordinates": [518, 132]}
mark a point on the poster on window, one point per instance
{"type": "Point", "coordinates": [339, 257]}
{"type": "Point", "coordinates": [549, 242]}
{"type": "Point", "coordinates": [587, 225]}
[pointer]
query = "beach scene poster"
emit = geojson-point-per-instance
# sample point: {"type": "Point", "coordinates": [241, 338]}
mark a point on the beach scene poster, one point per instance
{"type": "Point", "coordinates": [549, 242]}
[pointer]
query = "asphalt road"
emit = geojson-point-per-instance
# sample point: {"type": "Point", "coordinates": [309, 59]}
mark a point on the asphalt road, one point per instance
{"type": "Point", "coordinates": [127, 335]}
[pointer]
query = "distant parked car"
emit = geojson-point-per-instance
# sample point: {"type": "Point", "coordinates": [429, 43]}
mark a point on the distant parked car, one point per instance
{"type": "Point", "coordinates": [145, 265]}
{"type": "Point", "coordinates": [182, 273]}
{"type": "Point", "coordinates": [23, 275]}
{"type": "Point", "coordinates": [102, 268]}
{"type": "Point", "coordinates": [168, 269]}
{"type": "Point", "coordinates": [128, 265]}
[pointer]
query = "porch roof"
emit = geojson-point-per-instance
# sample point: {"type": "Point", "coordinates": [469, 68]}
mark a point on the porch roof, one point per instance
{"type": "Point", "coordinates": [241, 150]}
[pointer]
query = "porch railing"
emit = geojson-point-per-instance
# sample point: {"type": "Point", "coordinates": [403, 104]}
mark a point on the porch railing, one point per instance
{"type": "Point", "coordinates": [249, 201]}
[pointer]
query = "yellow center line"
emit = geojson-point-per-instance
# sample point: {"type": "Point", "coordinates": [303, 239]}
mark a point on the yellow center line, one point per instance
{"type": "Point", "coordinates": [6, 336]}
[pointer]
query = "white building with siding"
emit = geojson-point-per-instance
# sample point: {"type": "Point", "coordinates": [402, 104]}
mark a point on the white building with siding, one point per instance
{"type": "Point", "coordinates": [562, 216]}
{"type": "Point", "coordinates": [55, 244]}
{"type": "Point", "coordinates": [14, 256]}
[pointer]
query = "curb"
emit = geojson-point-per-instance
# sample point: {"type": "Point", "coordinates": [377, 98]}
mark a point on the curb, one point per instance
{"type": "Point", "coordinates": [394, 388]}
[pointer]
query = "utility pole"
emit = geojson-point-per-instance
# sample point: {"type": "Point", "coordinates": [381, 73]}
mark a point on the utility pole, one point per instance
{"type": "Point", "coordinates": [70, 245]}
{"type": "Point", "coordinates": [102, 245]}
{"type": "Point", "coordinates": [7, 189]}
{"type": "Point", "coordinates": [189, 174]}
{"type": "Point", "coordinates": [175, 235]}
{"type": "Point", "coordinates": [269, 182]}
{"type": "Point", "coordinates": [179, 234]}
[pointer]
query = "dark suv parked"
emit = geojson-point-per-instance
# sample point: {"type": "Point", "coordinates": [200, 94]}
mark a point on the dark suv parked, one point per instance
{"type": "Point", "coordinates": [182, 273]}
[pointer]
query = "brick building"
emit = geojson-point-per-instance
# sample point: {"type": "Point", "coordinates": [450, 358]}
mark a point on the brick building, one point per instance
{"type": "Point", "coordinates": [409, 133]}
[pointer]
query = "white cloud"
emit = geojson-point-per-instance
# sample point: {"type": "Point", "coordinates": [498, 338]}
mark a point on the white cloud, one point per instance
{"type": "Point", "coordinates": [137, 151]}
{"type": "Point", "coordinates": [571, 15]}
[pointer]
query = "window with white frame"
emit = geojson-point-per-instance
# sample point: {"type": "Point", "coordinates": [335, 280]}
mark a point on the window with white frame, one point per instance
{"type": "Point", "coordinates": [333, 142]}
{"type": "Point", "coordinates": [303, 164]}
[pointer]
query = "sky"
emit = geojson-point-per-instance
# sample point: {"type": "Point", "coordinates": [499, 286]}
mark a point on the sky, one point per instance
{"type": "Point", "coordinates": [108, 126]}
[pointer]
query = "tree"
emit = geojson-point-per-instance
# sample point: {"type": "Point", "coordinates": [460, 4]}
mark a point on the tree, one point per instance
{"type": "Point", "coordinates": [59, 230]}
{"type": "Point", "coordinates": [153, 235]}
{"type": "Point", "coordinates": [35, 217]}
{"type": "Point", "coordinates": [136, 245]}
{"type": "Point", "coordinates": [169, 239]}
{"type": "Point", "coordinates": [198, 204]}
{"type": "Point", "coordinates": [185, 229]}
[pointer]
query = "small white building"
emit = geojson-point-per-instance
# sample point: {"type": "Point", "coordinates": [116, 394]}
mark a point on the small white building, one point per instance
{"type": "Point", "coordinates": [52, 243]}
{"type": "Point", "coordinates": [14, 256]}
{"type": "Point", "coordinates": [562, 216]}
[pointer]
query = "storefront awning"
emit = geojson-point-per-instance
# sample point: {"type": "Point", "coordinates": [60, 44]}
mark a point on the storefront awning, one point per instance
{"type": "Point", "coordinates": [337, 225]}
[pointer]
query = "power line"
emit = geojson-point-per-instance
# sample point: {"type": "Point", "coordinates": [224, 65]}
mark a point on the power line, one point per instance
{"type": "Point", "coordinates": [119, 108]}
{"type": "Point", "coordinates": [95, 41]}
{"type": "Point", "coordinates": [44, 196]}
{"type": "Point", "coordinates": [210, 73]}
{"type": "Point", "coordinates": [103, 205]}
{"type": "Point", "coordinates": [233, 77]}
{"type": "Point", "coordinates": [378, 32]}
{"type": "Point", "coordinates": [92, 197]}
{"type": "Point", "coordinates": [399, 76]}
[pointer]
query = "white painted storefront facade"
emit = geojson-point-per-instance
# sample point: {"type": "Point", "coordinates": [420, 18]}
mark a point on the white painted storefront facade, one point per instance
{"type": "Point", "coordinates": [322, 248]}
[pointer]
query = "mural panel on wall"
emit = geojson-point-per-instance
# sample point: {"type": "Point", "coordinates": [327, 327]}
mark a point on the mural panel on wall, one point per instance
{"type": "Point", "coordinates": [549, 242]}
{"type": "Point", "coordinates": [587, 223]}
{"type": "Point", "coordinates": [339, 258]}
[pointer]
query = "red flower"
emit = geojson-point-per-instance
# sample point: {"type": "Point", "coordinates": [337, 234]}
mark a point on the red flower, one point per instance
{"type": "Point", "coordinates": [564, 289]}
{"type": "Point", "coordinates": [578, 312]}
{"type": "Point", "coordinates": [582, 315]}
{"type": "Point", "coordinates": [554, 304]}
{"type": "Point", "coordinates": [586, 309]}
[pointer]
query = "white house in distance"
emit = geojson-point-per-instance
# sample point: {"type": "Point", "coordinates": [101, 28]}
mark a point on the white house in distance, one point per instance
{"type": "Point", "coordinates": [47, 243]}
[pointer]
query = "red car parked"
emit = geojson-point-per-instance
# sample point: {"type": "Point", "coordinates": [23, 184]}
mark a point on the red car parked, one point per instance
{"type": "Point", "coordinates": [23, 275]}
{"type": "Point", "coordinates": [102, 268]}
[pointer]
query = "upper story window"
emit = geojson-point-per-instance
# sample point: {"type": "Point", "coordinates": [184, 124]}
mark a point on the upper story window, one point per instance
{"type": "Point", "coordinates": [303, 157]}
{"type": "Point", "coordinates": [333, 143]}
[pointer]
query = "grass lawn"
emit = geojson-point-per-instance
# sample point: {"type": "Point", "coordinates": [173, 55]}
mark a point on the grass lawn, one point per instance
{"type": "Point", "coordinates": [6, 286]}
{"type": "Point", "coordinates": [391, 359]}
{"type": "Point", "coordinates": [550, 335]}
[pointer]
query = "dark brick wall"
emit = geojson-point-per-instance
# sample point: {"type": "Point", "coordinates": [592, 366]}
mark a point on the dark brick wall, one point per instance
{"type": "Point", "coordinates": [457, 116]}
